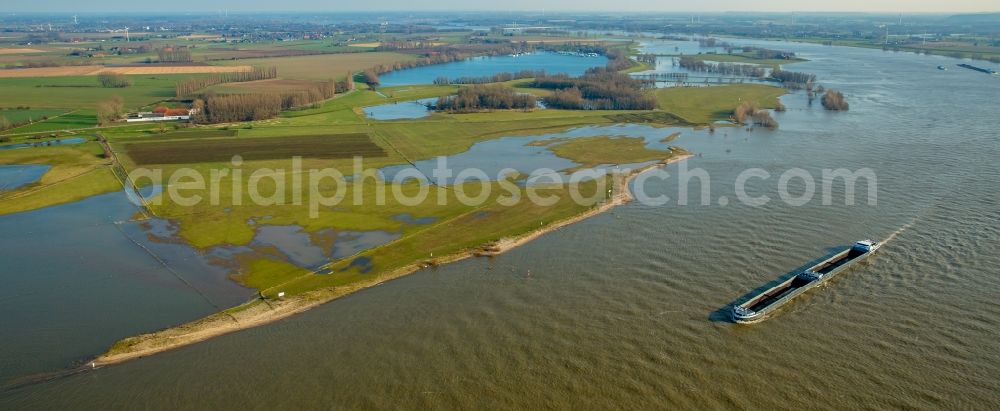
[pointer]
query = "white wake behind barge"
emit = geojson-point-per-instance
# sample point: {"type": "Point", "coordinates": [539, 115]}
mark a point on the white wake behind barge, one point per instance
{"type": "Point", "coordinates": [760, 306]}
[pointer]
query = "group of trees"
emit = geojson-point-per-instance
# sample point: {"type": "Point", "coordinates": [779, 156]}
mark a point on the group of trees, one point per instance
{"type": "Point", "coordinates": [600, 88]}
{"type": "Point", "coordinates": [647, 58]}
{"type": "Point", "coordinates": [227, 108]}
{"type": "Point", "coordinates": [110, 110]}
{"type": "Point", "coordinates": [748, 112]}
{"type": "Point", "coordinates": [46, 63]}
{"type": "Point", "coordinates": [486, 97]}
{"type": "Point", "coordinates": [617, 59]}
{"type": "Point", "coordinates": [187, 87]}
{"type": "Point", "coordinates": [224, 108]}
{"type": "Point", "coordinates": [793, 79]}
{"type": "Point", "coordinates": [114, 80]}
{"type": "Point", "coordinates": [174, 54]}
{"type": "Point", "coordinates": [711, 42]}
{"type": "Point", "coordinates": [448, 54]}
{"type": "Point", "coordinates": [768, 54]}
{"type": "Point", "coordinates": [346, 85]}
{"type": "Point", "coordinates": [404, 45]}
{"type": "Point", "coordinates": [370, 77]}
{"type": "Point", "coordinates": [496, 78]}
{"type": "Point", "coordinates": [834, 100]}
{"type": "Point", "coordinates": [728, 69]}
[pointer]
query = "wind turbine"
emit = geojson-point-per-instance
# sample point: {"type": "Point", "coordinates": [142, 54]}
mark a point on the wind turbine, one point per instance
{"type": "Point", "coordinates": [126, 35]}
{"type": "Point", "coordinates": [74, 20]}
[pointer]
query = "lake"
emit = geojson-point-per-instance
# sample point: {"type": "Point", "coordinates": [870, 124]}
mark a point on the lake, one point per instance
{"type": "Point", "coordinates": [59, 142]}
{"type": "Point", "coordinates": [15, 176]}
{"type": "Point", "coordinates": [400, 110]}
{"type": "Point", "coordinates": [553, 63]}
{"type": "Point", "coordinates": [627, 309]}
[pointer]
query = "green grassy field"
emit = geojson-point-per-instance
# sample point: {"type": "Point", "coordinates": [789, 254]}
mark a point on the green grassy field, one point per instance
{"type": "Point", "coordinates": [747, 58]}
{"type": "Point", "coordinates": [591, 152]}
{"type": "Point", "coordinates": [328, 136]}
{"type": "Point", "coordinates": [17, 116]}
{"type": "Point", "coordinates": [703, 105]}
{"type": "Point", "coordinates": [76, 119]}
{"type": "Point", "coordinates": [261, 148]}
{"type": "Point", "coordinates": [263, 86]}
{"type": "Point", "coordinates": [84, 91]}
{"type": "Point", "coordinates": [77, 172]}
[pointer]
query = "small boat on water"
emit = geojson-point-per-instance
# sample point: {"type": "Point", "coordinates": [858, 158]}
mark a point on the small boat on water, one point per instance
{"type": "Point", "coordinates": [942, 68]}
{"type": "Point", "coordinates": [763, 304]}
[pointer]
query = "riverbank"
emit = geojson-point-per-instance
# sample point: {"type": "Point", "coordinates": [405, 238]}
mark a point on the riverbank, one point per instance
{"type": "Point", "coordinates": [260, 311]}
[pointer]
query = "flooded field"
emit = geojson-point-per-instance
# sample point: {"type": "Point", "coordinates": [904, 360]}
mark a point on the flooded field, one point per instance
{"type": "Point", "coordinates": [627, 309]}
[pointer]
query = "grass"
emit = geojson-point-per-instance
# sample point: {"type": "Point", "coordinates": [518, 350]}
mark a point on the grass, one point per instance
{"type": "Point", "coordinates": [327, 136]}
{"type": "Point", "coordinates": [638, 66]}
{"type": "Point", "coordinates": [77, 172]}
{"type": "Point", "coordinates": [74, 120]}
{"type": "Point", "coordinates": [184, 134]}
{"type": "Point", "coordinates": [83, 91]}
{"type": "Point", "coordinates": [17, 116]}
{"type": "Point", "coordinates": [748, 58]}
{"type": "Point", "coordinates": [653, 117]}
{"type": "Point", "coordinates": [263, 86]}
{"type": "Point", "coordinates": [324, 66]}
{"type": "Point", "coordinates": [261, 148]}
{"type": "Point", "coordinates": [344, 109]}
{"type": "Point", "coordinates": [704, 105]}
{"type": "Point", "coordinates": [460, 228]}
{"type": "Point", "coordinates": [591, 152]}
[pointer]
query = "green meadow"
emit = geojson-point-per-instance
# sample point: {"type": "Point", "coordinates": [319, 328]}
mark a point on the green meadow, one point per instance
{"type": "Point", "coordinates": [327, 135]}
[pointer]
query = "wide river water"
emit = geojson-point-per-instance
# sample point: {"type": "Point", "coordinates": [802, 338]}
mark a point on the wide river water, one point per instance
{"type": "Point", "coordinates": [626, 309]}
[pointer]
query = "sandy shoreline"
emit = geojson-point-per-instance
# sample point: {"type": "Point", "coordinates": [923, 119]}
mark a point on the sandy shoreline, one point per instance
{"type": "Point", "coordinates": [260, 312]}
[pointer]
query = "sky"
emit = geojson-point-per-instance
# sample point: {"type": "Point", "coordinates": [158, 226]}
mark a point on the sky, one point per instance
{"type": "Point", "coordinates": [896, 6]}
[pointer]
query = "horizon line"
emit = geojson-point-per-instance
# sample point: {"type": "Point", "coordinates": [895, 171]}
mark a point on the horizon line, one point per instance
{"type": "Point", "coordinates": [92, 11]}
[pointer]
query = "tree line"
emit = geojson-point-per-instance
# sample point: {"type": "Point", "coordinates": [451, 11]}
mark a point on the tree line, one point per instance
{"type": "Point", "coordinates": [728, 69]}
{"type": "Point", "coordinates": [768, 54]}
{"type": "Point", "coordinates": [448, 54]}
{"type": "Point", "coordinates": [174, 54]}
{"type": "Point", "coordinates": [485, 97]}
{"type": "Point", "coordinates": [647, 58]}
{"type": "Point", "coordinates": [793, 79]}
{"type": "Point", "coordinates": [599, 88]}
{"type": "Point", "coordinates": [187, 87]}
{"type": "Point", "coordinates": [496, 78]}
{"type": "Point", "coordinates": [228, 108]}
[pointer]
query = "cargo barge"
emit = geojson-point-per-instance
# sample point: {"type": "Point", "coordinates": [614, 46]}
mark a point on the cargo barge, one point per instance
{"type": "Point", "coordinates": [763, 304]}
{"type": "Point", "coordinates": [979, 69]}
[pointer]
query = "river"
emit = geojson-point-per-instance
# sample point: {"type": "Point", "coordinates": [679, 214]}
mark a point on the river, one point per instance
{"type": "Point", "coordinates": [626, 309]}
